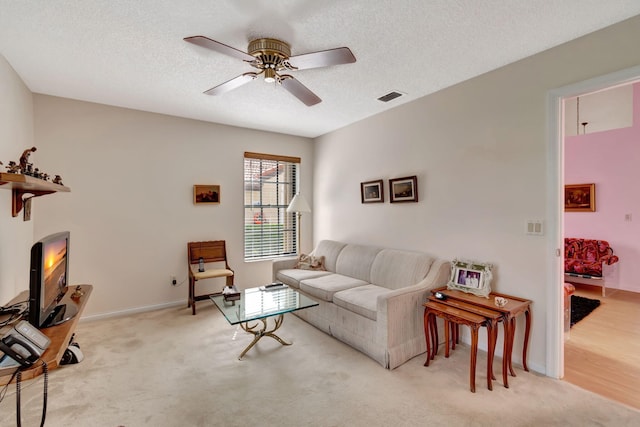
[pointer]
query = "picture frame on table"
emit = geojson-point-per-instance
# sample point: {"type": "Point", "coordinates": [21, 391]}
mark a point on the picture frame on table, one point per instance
{"type": "Point", "coordinates": [580, 198]}
{"type": "Point", "coordinates": [471, 277]}
{"type": "Point", "coordinates": [206, 194]}
{"type": "Point", "coordinates": [403, 189]}
{"type": "Point", "coordinates": [372, 191]}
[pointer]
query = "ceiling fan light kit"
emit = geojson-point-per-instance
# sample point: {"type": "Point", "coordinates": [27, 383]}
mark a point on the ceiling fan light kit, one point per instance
{"type": "Point", "coordinates": [270, 57]}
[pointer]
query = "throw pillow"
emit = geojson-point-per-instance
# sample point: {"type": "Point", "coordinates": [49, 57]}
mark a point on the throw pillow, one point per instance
{"type": "Point", "coordinates": [310, 262]}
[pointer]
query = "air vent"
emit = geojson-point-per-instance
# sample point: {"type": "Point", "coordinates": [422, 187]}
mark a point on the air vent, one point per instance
{"type": "Point", "coordinates": [390, 96]}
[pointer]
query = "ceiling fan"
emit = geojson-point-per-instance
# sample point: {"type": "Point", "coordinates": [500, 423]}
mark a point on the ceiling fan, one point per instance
{"type": "Point", "coordinates": [271, 57]}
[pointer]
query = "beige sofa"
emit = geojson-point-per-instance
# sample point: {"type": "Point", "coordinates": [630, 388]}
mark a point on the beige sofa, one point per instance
{"type": "Point", "coordinates": [370, 297]}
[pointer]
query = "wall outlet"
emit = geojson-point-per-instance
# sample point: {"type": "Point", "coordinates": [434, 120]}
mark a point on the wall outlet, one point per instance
{"type": "Point", "coordinates": [174, 281]}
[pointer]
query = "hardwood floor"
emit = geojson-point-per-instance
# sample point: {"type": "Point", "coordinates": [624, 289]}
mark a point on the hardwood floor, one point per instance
{"type": "Point", "coordinates": [602, 353]}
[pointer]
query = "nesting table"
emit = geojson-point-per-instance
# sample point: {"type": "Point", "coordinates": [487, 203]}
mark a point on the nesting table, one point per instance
{"type": "Point", "coordinates": [475, 311]}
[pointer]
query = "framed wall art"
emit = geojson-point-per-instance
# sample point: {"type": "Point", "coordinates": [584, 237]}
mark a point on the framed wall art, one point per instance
{"type": "Point", "coordinates": [206, 194]}
{"type": "Point", "coordinates": [471, 277]}
{"type": "Point", "coordinates": [372, 191]}
{"type": "Point", "coordinates": [403, 189]}
{"type": "Point", "coordinates": [580, 198]}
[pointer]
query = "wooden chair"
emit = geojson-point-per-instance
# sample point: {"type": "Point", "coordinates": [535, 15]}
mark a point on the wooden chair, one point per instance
{"type": "Point", "coordinates": [209, 252]}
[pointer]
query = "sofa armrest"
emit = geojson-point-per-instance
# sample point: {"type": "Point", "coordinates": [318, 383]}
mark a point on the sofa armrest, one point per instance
{"type": "Point", "coordinates": [282, 264]}
{"type": "Point", "coordinates": [609, 259]}
{"type": "Point", "coordinates": [401, 311]}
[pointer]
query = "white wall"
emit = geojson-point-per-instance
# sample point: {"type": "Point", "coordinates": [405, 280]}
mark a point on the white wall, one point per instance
{"type": "Point", "coordinates": [479, 150]}
{"type": "Point", "coordinates": [16, 134]}
{"type": "Point", "coordinates": [130, 210]}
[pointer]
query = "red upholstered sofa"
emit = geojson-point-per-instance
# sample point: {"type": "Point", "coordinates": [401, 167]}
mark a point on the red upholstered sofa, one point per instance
{"type": "Point", "coordinates": [584, 258]}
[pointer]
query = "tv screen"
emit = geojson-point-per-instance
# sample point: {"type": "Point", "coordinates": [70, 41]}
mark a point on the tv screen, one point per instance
{"type": "Point", "coordinates": [48, 281]}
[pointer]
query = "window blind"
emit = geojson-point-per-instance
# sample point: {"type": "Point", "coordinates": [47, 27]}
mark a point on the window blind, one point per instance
{"type": "Point", "coordinates": [270, 182]}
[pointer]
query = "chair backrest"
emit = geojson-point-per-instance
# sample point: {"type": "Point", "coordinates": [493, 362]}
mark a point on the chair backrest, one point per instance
{"type": "Point", "coordinates": [211, 251]}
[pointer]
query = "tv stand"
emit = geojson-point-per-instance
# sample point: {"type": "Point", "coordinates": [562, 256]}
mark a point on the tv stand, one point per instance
{"type": "Point", "coordinates": [60, 334]}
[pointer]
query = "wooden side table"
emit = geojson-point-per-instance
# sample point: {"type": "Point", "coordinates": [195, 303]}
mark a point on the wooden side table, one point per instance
{"type": "Point", "coordinates": [60, 335]}
{"type": "Point", "coordinates": [514, 307]}
{"type": "Point", "coordinates": [492, 316]}
{"type": "Point", "coordinates": [459, 317]}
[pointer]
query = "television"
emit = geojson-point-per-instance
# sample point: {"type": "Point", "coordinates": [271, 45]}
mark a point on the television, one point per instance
{"type": "Point", "coordinates": [49, 273]}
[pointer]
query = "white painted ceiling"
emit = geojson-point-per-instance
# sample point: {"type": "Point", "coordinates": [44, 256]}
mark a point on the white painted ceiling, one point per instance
{"type": "Point", "coordinates": [131, 53]}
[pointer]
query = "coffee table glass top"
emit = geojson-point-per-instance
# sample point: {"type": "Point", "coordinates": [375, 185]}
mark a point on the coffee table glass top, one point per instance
{"type": "Point", "coordinates": [256, 304]}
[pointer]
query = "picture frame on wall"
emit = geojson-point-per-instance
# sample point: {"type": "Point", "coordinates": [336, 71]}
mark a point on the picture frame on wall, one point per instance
{"type": "Point", "coordinates": [580, 198]}
{"type": "Point", "coordinates": [372, 191]}
{"type": "Point", "coordinates": [403, 189]}
{"type": "Point", "coordinates": [206, 194]}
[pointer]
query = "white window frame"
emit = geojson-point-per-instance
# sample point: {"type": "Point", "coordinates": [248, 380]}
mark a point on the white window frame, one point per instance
{"type": "Point", "coordinates": [270, 182]}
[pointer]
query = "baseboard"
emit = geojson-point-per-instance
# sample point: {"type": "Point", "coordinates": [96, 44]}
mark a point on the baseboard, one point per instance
{"type": "Point", "coordinates": [131, 311]}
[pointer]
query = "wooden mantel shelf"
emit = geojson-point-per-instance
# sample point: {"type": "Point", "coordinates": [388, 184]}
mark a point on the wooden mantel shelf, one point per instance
{"type": "Point", "coordinates": [21, 184]}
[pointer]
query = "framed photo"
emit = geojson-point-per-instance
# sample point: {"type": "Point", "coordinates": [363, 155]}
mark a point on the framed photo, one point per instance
{"type": "Point", "coordinates": [471, 277]}
{"type": "Point", "coordinates": [403, 189]}
{"type": "Point", "coordinates": [372, 191]}
{"type": "Point", "coordinates": [580, 198]}
{"type": "Point", "coordinates": [206, 194]}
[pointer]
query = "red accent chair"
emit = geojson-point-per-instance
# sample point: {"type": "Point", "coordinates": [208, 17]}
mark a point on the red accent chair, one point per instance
{"type": "Point", "coordinates": [584, 258]}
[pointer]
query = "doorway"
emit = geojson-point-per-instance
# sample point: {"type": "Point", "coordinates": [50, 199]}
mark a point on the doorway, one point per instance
{"type": "Point", "coordinates": [556, 348]}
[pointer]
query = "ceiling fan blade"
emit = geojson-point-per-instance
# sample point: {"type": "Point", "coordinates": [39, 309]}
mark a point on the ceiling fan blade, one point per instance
{"type": "Point", "coordinates": [219, 47]}
{"type": "Point", "coordinates": [299, 90]}
{"type": "Point", "coordinates": [324, 58]}
{"type": "Point", "coordinates": [232, 84]}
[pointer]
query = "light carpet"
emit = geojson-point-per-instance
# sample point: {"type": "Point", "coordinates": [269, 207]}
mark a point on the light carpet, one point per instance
{"type": "Point", "coordinates": [169, 368]}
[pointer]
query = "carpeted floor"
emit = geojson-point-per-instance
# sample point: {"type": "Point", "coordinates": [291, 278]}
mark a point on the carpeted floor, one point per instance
{"type": "Point", "coordinates": [169, 368]}
{"type": "Point", "coordinates": [581, 307]}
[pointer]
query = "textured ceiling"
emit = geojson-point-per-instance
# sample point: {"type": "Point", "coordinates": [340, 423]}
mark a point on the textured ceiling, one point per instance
{"type": "Point", "coordinates": [132, 54]}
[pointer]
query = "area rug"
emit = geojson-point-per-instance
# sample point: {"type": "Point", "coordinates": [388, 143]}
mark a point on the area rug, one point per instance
{"type": "Point", "coordinates": [581, 307]}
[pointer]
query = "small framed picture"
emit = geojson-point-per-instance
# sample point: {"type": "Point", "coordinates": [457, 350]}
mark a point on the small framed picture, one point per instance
{"type": "Point", "coordinates": [580, 198]}
{"type": "Point", "coordinates": [471, 277]}
{"type": "Point", "coordinates": [206, 194]}
{"type": "Point", "coordinates": [372, 191]}
{"type": "Point", "coordinates": [403, 189]}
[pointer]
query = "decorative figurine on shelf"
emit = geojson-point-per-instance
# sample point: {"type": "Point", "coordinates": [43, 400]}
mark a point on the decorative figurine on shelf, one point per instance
{"type": "Point", "coordinates": [57, 180]}
{"type": "Point", "coordinates": [24, 159]}
{"type": "Point", "coordinates": [45, 176]}
{"type": "Point", "coordinates": [36, 173]}
{"type": "Point", "coordinates": [28, 170]}
{"type": "Point", "coordinates": [13, 167]}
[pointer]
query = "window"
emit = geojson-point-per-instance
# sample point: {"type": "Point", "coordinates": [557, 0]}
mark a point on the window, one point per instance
{"type": "Point", "coordinates": [270, 182]}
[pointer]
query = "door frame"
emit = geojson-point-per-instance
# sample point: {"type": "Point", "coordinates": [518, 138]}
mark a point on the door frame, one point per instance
{"type": "Point", "coordinates": [555, 210]}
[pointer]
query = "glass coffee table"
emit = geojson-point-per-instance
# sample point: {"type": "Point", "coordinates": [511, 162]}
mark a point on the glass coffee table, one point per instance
{"type": "Point", "coordinates": [256, 305]}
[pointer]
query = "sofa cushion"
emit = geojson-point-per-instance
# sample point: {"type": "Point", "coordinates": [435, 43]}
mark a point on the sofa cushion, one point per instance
{"type": "Point", "coordinates": [356, 260]}
{"type": "Point", "coordinates": [292, 277]}
{"type": "Point", "coordinates": [395, 269]}
{"type": "Point", "coordinates": [326, 286]}
{"type": "Point", "coordinates": [362, 300]}
{"type": "Point", "coordinates": [330, 250]}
